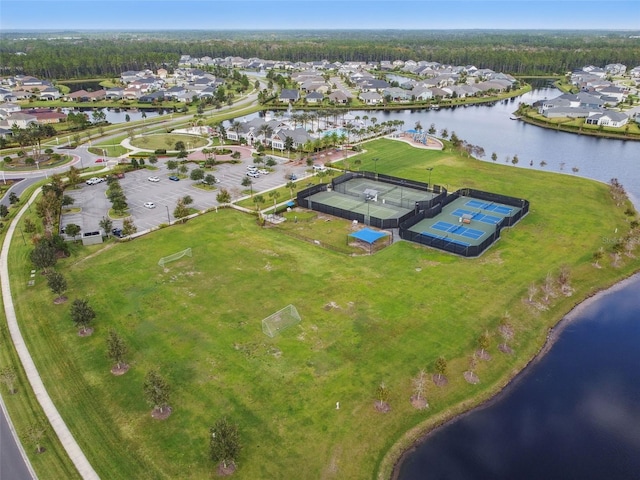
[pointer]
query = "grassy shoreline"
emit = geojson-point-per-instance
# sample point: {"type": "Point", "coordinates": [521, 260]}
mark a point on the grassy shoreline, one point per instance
{"type": "Point", "coordinates": [283, 391]}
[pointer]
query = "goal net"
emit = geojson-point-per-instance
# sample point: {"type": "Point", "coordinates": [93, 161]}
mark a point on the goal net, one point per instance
{"type": "Point", "coordinates": [176, 256]}
{"type": "Point", "coordinates": [281, 320]}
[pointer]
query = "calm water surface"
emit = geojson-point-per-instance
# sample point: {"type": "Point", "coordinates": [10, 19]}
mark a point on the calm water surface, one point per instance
{"type": "Point", "coordinates": [574, 415]}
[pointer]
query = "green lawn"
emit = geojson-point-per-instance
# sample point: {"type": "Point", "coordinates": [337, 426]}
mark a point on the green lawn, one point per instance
{"type": "Point", "coordinates": [167, 141]}
{"type": "Point", "coordinates": [394, 313]}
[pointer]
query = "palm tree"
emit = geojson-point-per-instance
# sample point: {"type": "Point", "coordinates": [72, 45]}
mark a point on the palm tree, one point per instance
{"type": "Point", "coordinates": [274, 194]}
{"type": "Point", "coordinates": [291, 186]}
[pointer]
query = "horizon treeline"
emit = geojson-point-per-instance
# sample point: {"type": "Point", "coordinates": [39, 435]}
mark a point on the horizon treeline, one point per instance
{"type": "Point", "coordinates": [71, 55]}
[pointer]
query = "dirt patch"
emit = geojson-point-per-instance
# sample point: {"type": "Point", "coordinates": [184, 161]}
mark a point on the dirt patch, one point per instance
{"type": "Point", "coordinates": [483, 355]}
{"type": "Point", "coordinates": [382, 407]}
{"type": "Point", "coordinates": [419, 403]}
{"type": "Point", "coordinates": [440, 380]}
{"type": "Point", "coordinates": [331, 306]}
{"type": "Point", "coordinates": [85, 332]}
{"type": "Point", "coordinates": [60, 300]}
{"type": "Point", "coordinates": [506, 331]}
{"type": "Point", "coordinates": [161, 414]}
{"type": "Point", "coordinates": [504, 348]}
{"type": "Point", "coordinates": [120, 370]}
{"type": "Point", "coordinates": [223, 471]}
{"type": "Point", "coordinates": [471, 377]}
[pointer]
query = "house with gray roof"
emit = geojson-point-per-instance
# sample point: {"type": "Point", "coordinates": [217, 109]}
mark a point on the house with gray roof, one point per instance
{"type": "Point", "coordinates": [607, 118]}
{"type": "Point", "coordinates": [289, 95]}
{"type": "Point", "coordinates": [299, 137]}
{"type": "Point", "coordinates": [371, 98]}
{"type": "Point", "coordinates": [314, 97]}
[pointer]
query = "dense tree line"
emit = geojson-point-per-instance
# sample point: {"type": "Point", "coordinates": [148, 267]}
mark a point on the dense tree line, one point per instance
{"type": "Point", "coordinates": [517, 52]}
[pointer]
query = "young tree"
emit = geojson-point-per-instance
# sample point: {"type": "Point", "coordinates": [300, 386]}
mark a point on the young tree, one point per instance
{"type": "Point", "coordinates": [57, 284]}
{"type": "Point", "coordinates": [35, 434]}
{"type": "Point", "coordinates": [382, 400]}
{"type": "Point", "coordinates": [209, 179]}
{"type": "Point", "coordinates": [246, 182]}
{"type": "Point", "coordinates": [291, 186]}
{"type": "Point", "coordinates": [156, 391]}
{"type": "Point", "coordinates": [187, 200]}
{"type": "Point", "coordinates": [181, 209]}
{"type": "Point", "coordinates": [494, 156]}
{"type": "Point", "coordinates": [153, 159]}
{"type": "Point", "coordinates": [73, 176]}
{"type": "Point", "coordinates": [116, 350]}
{"type": "Point", "coordinates": [419, 386]}
{"type": "Point", "coordinates": [223, 196]}
{"type": "Point", "coordinates": [183, 169]}
{"type": "Point", "coordinates": [258, 200]}
{"type": "Point", "coordinates": [274, 194]}
{"type": "Point", "coordinates": [106, 224]}
{"type": "Point", "coordinates": [483, 342]}
{"type": "Point", "coordinates": [172, 165]}
{"type": "Point", "coordinates": [43, 256]}
{"type": "Point", "coordinates": [4, 211]}
{"type": "Point", "coordinates": [597, 256]}
{"type": "Point", "coordinates": [224, 443]}
{"type": "Point", "coordinates": [128, 227]}
{"type": "Point", "coordinates": [197, 174]}
{"type": "Point", "coordinates": [441, 370]}
{"type": "Point", "coordinates": [13, 198]}
{"type": "Point", "coordinates": [72, 229]}
{"type": "Point", "coordinates": [8, 376]}
{"type": "Point", "coordinates": [82, 314]}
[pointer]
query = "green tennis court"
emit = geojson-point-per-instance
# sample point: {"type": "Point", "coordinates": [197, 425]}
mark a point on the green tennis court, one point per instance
{"type": "Point", "coordinates": [358, 205]}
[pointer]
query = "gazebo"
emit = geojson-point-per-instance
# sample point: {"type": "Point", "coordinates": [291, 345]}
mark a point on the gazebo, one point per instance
{"type": "Point", "coordinates": [368, 235]}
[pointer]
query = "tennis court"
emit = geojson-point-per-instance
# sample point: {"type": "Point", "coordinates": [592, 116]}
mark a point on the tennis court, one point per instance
{"type": "Point", "coordinates": [480, 217]}
{"type": "Point", "coordinates": [385, 193]}
{"type": "Point", "coordinates": [491, 207]}
{"type": "Point", "coordinates": [358, 205]}
{"type": "Point", "coordinates": [458, 230]}
{"type": "Point", "coordinates": [478, 223]}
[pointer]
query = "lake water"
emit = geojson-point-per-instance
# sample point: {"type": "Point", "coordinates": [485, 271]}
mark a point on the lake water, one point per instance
{"type": "Point", "coordinates": [575, 414]}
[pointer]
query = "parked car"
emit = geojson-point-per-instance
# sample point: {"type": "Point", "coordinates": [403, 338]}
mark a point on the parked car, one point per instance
{"type": "Point", "coordinates": [253, 174]}
{"type": "Point", "coordinates": [263, 172]}
{"type": "Point", "coordinates": [319, 168]}
{"type": "Point", "coordinates": [292, 176]}
{"type": "Point", "coordinates": [116, 232]}
{"type": "Point", "coordinates": [149, 205]}
{"type": "Point", "coordinates": [154, 179]}
{"type": "Point", "coordinates": [95, 180]}
{"type": "Point", "coordinates": [174, 178]}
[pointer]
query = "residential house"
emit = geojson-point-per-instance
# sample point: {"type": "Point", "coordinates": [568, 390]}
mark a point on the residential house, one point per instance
{"type": "Point", "coordinates": [114, 93]}
{"type": "Point", "coordinates": [339, 97]}
{"type": "Point", "coordinates": [608, 119]}
{"type": "Point", "coordinates": [314, 97]}
{"type": "Point", "coordinates": [47, 115]}
{"type": "Point", "coordinates": [299, 137]}
{"type": "Point", "coordinates": [21, 120]}
{"type": "Point", "coordinates": [371, 98]}
{"type": "Point", "coordinates": [289, 95]}
{"type": "Point", "coordinates": [49, 93]}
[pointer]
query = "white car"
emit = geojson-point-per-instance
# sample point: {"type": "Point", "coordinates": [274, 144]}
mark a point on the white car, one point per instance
{"type": "Point", "coordinates": [251, 168]}
{"type": "Point", "coordinates": [253, 174]}
{"type": "Point", "coordinates": [149, 205]}
{"type": "Point", "coordinates": [94, 181]}
{"type": "Point", "coordinates": [154, 179]}
{"type": "Point", "coordinates": [263, 172]}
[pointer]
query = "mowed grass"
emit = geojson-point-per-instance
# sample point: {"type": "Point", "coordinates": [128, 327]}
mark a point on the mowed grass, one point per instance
{"type": "Point", "coordinates": [167, 141]}
{"type": "Point", "coordinates": [393, 314]}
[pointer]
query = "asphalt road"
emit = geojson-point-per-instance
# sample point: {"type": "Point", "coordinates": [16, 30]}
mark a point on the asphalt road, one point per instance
{"type": "Point", "coordinates": [12, 464]}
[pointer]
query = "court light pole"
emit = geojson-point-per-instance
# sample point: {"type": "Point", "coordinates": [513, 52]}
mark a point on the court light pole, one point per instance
{"type": "Point", "coordinates": [430, 170]}
{"type": "Point", "coordinates": [168, 217]}
{"type": "Point", "coordinates": [375, 165]}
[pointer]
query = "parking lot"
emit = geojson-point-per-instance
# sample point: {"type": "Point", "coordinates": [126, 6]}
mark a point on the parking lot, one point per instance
{"type": "Point", "coordinates": [94, 205]}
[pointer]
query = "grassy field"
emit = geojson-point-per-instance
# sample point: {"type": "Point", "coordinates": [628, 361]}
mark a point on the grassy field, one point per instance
{"type": "Point", "coordinates": [167, 141]}
{"type": "Point", "coordinates": [365, 320]}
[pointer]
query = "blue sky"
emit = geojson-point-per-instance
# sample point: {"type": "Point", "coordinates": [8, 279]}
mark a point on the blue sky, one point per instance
{"type": "Point", "coordinates": [323, 14]}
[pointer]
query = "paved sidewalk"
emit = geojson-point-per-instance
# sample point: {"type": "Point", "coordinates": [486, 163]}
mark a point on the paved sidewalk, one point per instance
{"type": "Point", "coordinates": [62, 431]}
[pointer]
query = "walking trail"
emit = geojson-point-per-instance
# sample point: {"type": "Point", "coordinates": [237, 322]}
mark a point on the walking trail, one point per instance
{"type": "Point", "coordinates": [62, 431]}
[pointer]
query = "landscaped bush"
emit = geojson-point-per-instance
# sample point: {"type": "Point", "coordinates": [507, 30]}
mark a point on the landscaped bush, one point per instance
{"type": "Point", "coordinates": [160, 151]}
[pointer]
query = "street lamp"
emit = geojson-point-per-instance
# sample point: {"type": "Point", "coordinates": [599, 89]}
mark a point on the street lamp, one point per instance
{"type": "Point", "coordinates": [168, 217]}
{"type": "Point", "coordinates": [375, 164]}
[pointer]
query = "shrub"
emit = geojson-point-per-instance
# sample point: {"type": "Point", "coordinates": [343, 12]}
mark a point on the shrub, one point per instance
{"type": "Point", "coordinates": [8, 159]}
{"type": "Point", "coordinates": [160, 151]}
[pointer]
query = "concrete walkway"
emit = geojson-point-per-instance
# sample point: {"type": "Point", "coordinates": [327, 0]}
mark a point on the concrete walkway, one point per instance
{"type": "Point", "coordinates": [62, 431]}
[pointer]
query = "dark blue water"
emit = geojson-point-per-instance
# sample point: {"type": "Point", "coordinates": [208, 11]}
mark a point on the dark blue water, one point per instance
{"type": "Point", "coordinates": [575, 414]}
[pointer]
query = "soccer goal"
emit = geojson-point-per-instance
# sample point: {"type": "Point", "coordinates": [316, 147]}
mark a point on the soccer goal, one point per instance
{"type": "Point", "coordinates": [176, 256]}
{"type": "Point", "coordinates": [281, 320]}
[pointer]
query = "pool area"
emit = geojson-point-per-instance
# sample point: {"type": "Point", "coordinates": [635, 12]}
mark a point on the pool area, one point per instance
{"type": "Point", "coordinates": [337, 131]}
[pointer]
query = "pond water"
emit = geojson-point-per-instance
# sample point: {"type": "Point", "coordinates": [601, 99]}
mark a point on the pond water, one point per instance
{"type": "Point", "coordinates": [574, 414]}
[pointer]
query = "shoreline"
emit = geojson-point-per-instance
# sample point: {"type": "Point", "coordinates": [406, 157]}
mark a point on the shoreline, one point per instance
{"type": "Point", "coordinates": [574, 131]}
{"type": "Point", "coordinates": [552, 337]}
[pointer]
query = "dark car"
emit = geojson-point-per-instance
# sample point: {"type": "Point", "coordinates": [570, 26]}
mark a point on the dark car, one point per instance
{"type": "Point", "coordinates": [174, 178]}
{"type": "Point", "coordinates": [117, 232]}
